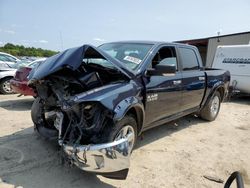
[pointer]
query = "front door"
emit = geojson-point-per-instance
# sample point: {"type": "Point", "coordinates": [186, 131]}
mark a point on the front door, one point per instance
{"type": "Point", "coordinates": [163, 92]}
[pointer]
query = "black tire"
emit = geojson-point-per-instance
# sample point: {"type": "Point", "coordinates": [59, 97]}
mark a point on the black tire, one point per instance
{"type": "Point", "coordinates": [40, 124]}
{"type": "Point", "coordinates": [5, 86]}
{"type": "Point", "coordinates": [208, 112]}
{"type": "Point", "coordinates": [111, 130]}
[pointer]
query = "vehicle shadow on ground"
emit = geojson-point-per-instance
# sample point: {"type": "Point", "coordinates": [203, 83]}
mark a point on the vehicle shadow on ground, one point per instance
{"type": "Point", "coordinates": [29, 161]}
{"type": "Point", "coordinates": [240, 99]}
{"type": "Point", "coordinates": [22, 104]}
{"type": "Point", "coordinates": [167, 129]}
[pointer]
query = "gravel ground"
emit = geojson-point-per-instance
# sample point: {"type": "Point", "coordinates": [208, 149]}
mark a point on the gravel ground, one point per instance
{"type": "Point", "coordinates": [178, 154]}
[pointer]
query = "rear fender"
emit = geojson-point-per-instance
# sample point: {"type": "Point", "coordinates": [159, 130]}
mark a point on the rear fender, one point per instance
{"type": "Point", "coordinates": [215, 88]}
{"type": "Point", "coordinates": [10, 77]}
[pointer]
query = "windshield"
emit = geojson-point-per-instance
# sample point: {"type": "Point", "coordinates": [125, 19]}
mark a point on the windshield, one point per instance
{"type": "Point", "coordinates": [18, 64]}
{"type": "Point", "coordinates": [99, 61]}
{"type": "Point", "coordinates": [130, 54]}
{"type": "Point", "coordinates": [34, 63]}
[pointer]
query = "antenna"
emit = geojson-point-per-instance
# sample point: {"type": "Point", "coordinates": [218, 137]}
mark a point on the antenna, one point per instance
{"type": "Point", "coordinates": [218, 35]}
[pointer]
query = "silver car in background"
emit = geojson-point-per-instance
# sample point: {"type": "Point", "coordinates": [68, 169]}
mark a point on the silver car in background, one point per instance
{"type": "Point", "coordinates": [7, 72]}
{"type": "Point", "coordinates": [8, 66]}
{"type": "Point", "coordinates": [7, 58]}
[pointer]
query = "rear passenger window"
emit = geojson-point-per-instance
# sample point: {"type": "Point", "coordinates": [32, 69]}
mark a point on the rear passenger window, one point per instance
{"type": "Point", "coordinates": [189, 59]}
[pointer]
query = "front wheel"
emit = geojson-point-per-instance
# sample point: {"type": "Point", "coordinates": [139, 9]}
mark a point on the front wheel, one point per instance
{"type": "Point", "coordinates": [42, 123]}
{"type": "Point", "coordinates": [125, 128]}
{"type": "Point", "coordinates": [212, 108]}
{"type": "Point", "coordinates": [5, 86]}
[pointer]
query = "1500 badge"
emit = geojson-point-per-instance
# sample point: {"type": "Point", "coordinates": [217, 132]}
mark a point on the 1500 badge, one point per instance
{"type": "Point", "coordinates": [152, 97]}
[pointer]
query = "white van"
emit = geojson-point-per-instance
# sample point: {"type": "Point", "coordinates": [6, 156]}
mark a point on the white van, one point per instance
{"type": "Point", "coordinates": [235, 59]}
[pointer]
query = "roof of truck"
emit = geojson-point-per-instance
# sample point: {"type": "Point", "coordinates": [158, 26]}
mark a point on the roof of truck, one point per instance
{"type": "Point", "coordinates": [150, 42]}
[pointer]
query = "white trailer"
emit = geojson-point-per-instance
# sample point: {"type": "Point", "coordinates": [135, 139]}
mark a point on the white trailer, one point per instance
{"type": "Point", "coordinates": [235, 59]}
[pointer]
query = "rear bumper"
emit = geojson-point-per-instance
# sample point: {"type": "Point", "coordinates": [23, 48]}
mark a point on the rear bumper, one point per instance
{"type": "Point", "coordinates": [100, 158]}
{"type": "Point", "coordinates": [21, 87]}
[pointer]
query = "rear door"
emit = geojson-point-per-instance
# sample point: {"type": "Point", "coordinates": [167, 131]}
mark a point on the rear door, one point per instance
{"type": "Point", "coordinates": [193, 78]}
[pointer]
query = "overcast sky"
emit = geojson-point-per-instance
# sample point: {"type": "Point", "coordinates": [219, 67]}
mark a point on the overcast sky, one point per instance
{"type": "Point", "coordinates": [61, 24]}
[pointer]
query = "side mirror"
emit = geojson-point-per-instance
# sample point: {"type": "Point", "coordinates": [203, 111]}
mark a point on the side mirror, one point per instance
{"type": "Point", "coordinates": [162, 70]}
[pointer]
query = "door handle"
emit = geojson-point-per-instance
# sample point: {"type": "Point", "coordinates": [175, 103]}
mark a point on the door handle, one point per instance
{"type": "Point", "coordinates": [177, 82]}
{"type": "Point", "coordinates": [201, 78]}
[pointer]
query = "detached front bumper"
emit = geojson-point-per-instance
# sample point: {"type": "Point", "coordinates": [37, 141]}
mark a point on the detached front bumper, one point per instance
{"type": "Point", "coordinates": [100, 158]}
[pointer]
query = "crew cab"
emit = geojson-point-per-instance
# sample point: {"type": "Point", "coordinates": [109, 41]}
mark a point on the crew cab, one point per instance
{"type": "Point", "coordinates": [96, 101]}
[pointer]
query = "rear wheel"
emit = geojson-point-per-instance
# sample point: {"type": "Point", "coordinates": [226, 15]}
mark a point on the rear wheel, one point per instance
{"type": "Point", "coordinates": [212, 108]}
{"type": "Point", "coordinates": [5, 86]}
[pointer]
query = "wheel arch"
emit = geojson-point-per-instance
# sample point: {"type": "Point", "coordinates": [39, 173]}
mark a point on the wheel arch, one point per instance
{"type": "Point", "coordinates": [220, 88]}
{"type": "Point", "coordinates": [1, 79]}
{"type": "Point", "coordinates": [138, 113]}
{"type": "Point", "coordinates": [131, 106]}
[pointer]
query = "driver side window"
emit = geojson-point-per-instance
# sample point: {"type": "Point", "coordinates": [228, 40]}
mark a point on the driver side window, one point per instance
{"type": "Point", "coordinates": [165, 56]}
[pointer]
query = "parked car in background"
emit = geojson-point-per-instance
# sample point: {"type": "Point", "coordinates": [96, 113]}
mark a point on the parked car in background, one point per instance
{"type": "Point", "coordinates": [6, 73]}
{"type": "Point", "coordinates": [7, 58]}
{"type": "Point", "coordinates": [236, 59]}
{"type": "Point", "coordinates": [29, 59]}
{"type": "Point", "coordinates": [19, 82]}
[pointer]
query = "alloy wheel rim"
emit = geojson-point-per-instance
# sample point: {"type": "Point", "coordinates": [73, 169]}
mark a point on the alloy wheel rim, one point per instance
{"type": "Point", "coordinates": [6, 87]}
{"type": "Point", "coordinates": [215, 105]}
{"type": "Point", "coordinates": [127, 132]}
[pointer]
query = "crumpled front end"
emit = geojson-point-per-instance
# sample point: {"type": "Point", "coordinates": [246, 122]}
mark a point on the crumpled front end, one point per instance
{"type": "Point", "coordinates": [79, 131]}
{"type": "Point", "coordinates": [77, 98]}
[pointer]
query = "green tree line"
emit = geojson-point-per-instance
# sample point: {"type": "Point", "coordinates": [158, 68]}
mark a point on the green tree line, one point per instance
{"type": "Point", "coordinates": [20, 50]}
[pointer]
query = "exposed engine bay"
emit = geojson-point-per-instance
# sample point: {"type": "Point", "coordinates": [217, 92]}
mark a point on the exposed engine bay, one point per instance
{"type": "Point", "coordinates": [80, 123]}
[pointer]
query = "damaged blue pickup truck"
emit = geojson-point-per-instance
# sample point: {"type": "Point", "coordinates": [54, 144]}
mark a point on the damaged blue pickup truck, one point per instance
{"type": "Point", "coordinates": [96, 101]}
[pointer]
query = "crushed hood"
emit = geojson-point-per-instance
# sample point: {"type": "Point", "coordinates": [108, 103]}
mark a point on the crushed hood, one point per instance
{"type": "Point", "coordinates": [72, 59]}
